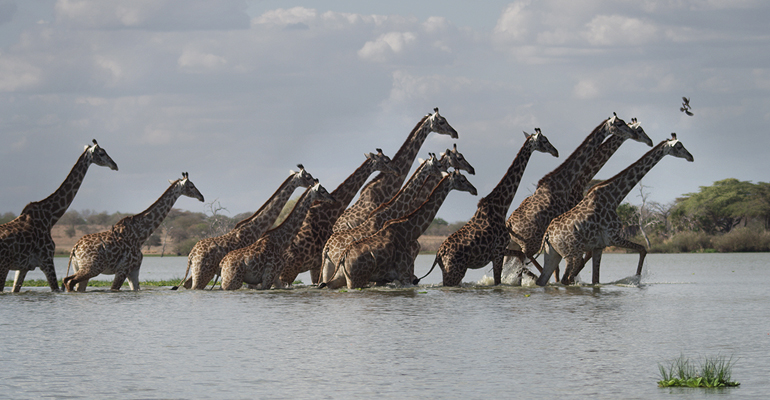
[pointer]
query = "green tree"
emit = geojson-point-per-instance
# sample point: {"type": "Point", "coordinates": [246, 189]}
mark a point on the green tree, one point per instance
{"type": "Point", "coordinates": [717, 208]}
{"type": "Point", "coordinates": [7, 217]}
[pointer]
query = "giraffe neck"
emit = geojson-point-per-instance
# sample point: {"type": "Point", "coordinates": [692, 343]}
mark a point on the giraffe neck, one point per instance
{"type": "Point", "coordinates": [615, 189]}
{"type": "Point", "coordinates": [403, 202]}
{"type": "Point", "coordinates": [139, 227]}
{"type": "Point", "coordinates": [346, 191]}
{"type": "Point", "coordinates": [54, 206]}
{"type": "Point", "coordinates": [283, 233]}
{"type": "Point", "coordinates": [560, 180]}
{"type": "Point", "coordinates": [415, 223]}
{"type": "Point", "coordinates": [600, 157]}
{"type": "Point", "coordinates": [252, 228]}
{"type": "Point", "coordinates": [498, 201]}
{"type": "Point", "coordinates": [388, 184]}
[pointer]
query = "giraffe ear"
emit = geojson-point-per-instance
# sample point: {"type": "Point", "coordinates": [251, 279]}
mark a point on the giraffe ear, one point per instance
{"type": "Point", "coordinates": [368, 155]}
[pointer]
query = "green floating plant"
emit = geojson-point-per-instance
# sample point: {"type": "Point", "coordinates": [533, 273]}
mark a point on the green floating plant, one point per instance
{"type": "Point", "coordinates": [713, 372]}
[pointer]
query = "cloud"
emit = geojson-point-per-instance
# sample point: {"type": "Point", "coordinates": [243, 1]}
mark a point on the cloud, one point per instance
{"type": "Point", "coordinates": [514, 24]}
{"type": "Point", "coordinates": [17, 74]}
{"type": "Point", "coordinates": [618, 30]}
{"type": "Point", "coordinates": [386, 46]}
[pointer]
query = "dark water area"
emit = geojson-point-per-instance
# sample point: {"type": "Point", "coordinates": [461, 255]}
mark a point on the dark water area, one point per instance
{"type": "Point", "coordinates": [476, 341]}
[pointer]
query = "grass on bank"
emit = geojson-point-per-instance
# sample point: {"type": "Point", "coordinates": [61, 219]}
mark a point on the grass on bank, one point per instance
{"type": "Point", "coordinates": [712, 372]}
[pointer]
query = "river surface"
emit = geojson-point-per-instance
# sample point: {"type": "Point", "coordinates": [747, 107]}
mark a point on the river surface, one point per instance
{"type": "Point", "coordinates": [472, 342]}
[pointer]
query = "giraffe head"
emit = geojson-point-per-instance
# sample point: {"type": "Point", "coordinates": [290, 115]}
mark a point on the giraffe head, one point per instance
{"type": "Point", "coordinates": [540, 143]}
{"type": "Point", "coordinates": [460, 183]}
{"type": "Point", "coordinates": [380, 162]}
{"type": "Point", "coordinates": [455, 159]}
{"type": "Point", "coordinates": [675, 148]}
{"type": "Point", "coordinates": [99, 156]}
{"type": "Point", "coordinates": [433, 166]}
{"type": "Point", "coordinates": [303, 177]}
{"type": "Point", "coordinates": [188, 188]}
{"type": "Point", "coordinates": [616, 126]}
{"type": "Point", "coordinates": [641, 135]}
{"type": "Point", "coordinates": [437, 123]}
{"type": "Point", "coordinates": [319, 193]}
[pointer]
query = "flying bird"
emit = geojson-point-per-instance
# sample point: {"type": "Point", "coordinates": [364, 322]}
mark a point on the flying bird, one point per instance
{"type": "Point", "coordinates": [685, 108]}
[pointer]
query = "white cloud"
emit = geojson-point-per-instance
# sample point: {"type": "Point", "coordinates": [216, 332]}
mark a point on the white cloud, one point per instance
{"type": "Point", "coordinates": [195, 60]}
{"type": "Point", "coordinates": [291, 16]}
{"type": "Point", "coordinates": [386, 46]}
{"type": "Point", "coordinates": [586, 89]}
{"type": "Point", "coordinates": [616, 30]}
{"type": "Point", "coordinates": [17, 74]}
{"type": "Point", "coordinates": [514, 23]}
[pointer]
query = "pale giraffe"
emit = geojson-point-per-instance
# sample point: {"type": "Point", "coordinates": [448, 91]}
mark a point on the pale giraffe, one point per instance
{"type": "Point", "coordinates": [119, 250]}
{"type": "Point", "coordinates": [405, 201]}
{"type": "Point", "coordinates": [484, 238]}
{"type": "Point", "coordinates": [304, 251]}
{"type": "Point", "coordinates": [203, 260]}
{"type": "Point", "coordinates": [593, 224]}
{"type": "Point", "coordinates": [384, 186]}
{"type": "Point", "coordinates": [527, 223]}
{"type": "Point", "coordinates": [25, 242]}
{"type": "Point", "coordinates": [263, 261]}
{"type": "Point", "coordinates": [386, 256]}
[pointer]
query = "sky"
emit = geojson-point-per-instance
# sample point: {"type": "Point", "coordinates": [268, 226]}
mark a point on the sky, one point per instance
{"type": "Point", "coordinates": [236, 93]}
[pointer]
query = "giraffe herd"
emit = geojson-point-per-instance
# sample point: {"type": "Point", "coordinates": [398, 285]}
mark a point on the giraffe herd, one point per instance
{"type": "Point", "coordinates": [374, 240]}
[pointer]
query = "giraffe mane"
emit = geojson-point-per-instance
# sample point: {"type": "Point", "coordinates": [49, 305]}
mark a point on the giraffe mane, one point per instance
{"type": "Point", "coordinates": [548, 176]}
{"type": "Point", "coordinates": [262, 208]}
{"type": "Point", "coordinates": [614, 178]}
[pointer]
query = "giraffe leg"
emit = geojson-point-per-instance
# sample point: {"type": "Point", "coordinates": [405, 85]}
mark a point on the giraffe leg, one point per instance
{"type": "Point", "coordinates": [597, 256]}
{"type": "Point", "coordinates": [117, 283]}
{"type": "Point", "coordinates": [574, 264]}
{"type": "Point", "coordinates": [551, 259]}
{"type": "Point", "coordinates": [4, 269]}
{"type": "Point", "coordinates": [18, 280]}
{"type": "Point", "coordinates": [635, 247]}
{"type": "Point", "coordinates": [497, 268]}
{"type": "Point", "coordinates": [315, 274]}
{"type": "Point", "coordinates": [133, 279]}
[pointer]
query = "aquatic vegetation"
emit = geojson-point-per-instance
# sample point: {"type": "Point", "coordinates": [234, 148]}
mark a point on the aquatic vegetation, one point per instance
{"type": "Point", "coordinates": [713, 372]}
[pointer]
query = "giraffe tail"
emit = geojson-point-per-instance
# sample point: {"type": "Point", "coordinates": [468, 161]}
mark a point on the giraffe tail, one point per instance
{"type": "Point", "coordinates": [69, 263]}
{"type": "Point", "coordinates": [186, 272]}
{"type": "Point", "coordinates": [435, 261]}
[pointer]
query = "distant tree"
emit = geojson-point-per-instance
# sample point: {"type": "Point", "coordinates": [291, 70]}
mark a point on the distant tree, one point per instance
{"type": "Point", "coordinates": [7, 217]}
{"type": "Point", "coordinates": [153, 240]}
{"type": "Point", "coordinates": [717, 208]}
{"type": "Point", "coordinates": [218, 224]}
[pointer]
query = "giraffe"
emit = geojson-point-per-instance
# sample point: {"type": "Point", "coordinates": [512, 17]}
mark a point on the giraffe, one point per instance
{"type": "Point", "coordinates": [25, 242]}
{"type": "Point", "coordinates": [599, 158]}
{"type": "Point", "coordinates": [593, 224]}
{"type": "Point", "coordinates": [203, 260]}
{"type": "Point", "coordinates": [384, 186]}
{"type": "Point", "coordinates": [527, 223]}
{"type": "Point", "coordinates": [304, 251]}
{"type": "Point", "coordinates": [119, 250]}
{"type": "Point", "coordinates": [484, 238]}
{"type": "Point", "coordinates": [404, 202]}
{"type": "Point", "coordinates": [263, 261]}
{"type": "Point", "coordinates": [386, 255]}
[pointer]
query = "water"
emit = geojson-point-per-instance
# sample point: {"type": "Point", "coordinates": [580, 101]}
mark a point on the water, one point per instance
{"type": "Point", "coordinates": [472, 342]}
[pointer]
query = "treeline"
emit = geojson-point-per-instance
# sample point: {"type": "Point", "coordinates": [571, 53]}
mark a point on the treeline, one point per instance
{"type": "Point", "coordinates": [728, 216]}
